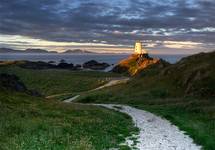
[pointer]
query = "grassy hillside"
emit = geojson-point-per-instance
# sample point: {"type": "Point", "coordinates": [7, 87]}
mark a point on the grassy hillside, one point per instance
{"type": "Point", "coordinates": [28, 122]}
{"type": "Point", "coordinates": [54, 81]}
{"type": "Point", "coordinates": [194, 74]}
{"type": "Point", "coordinates": [182, 93]}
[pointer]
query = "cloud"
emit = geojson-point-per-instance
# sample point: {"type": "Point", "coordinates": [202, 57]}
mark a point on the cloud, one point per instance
{"type": "Point", "coordinates": [181, 45]}
{"type": "Point", "coordinates": [118, 22]}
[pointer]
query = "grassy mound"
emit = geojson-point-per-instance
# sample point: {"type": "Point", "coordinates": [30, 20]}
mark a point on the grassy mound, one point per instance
{"type": "Point", "coordinates": [28, 122]}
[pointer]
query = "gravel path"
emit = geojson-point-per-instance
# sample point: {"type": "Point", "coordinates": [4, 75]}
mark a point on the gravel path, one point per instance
{"type": "Point", "coordinates": [156, 133]}
{"type": "Point", "coordinates": [112, 83]}
{"type": "Point", "coordinates": [71, 99]}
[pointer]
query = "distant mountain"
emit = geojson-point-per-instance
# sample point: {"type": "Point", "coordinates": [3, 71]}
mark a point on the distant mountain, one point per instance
{"type": "Point", "coordinates": [75, 51]}
{"type": "Point", "coordinates": [38, 51]}
{"type": "Point", "coordinates": [32, 50]}
{"type": "Point", "coordinates": [9, 50]}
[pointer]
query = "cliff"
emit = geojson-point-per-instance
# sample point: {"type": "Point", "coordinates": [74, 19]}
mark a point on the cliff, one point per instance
{"type": "Point", "coordinates": [136, 63]}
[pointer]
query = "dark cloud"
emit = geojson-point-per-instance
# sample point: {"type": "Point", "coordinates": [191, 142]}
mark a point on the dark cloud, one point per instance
{"type": "Point", "coordinates": [119, 21]}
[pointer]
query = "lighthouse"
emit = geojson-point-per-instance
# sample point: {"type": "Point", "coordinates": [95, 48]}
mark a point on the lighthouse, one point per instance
{"type": "Point", "coordinates": [138, 48]}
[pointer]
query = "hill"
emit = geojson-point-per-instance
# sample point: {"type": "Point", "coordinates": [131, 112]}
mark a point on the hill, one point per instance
{"type": "Point", "coordinates": [195, 74]}
{"type": "Point", "coordinates": [78, 51]}
{"type": "Point", "coordinates": [29, 50]}
{"type": "Point", "coordinates": [8, 50]}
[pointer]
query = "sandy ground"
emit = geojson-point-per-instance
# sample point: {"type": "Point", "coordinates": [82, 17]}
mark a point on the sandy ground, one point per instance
{"type": "Point", "coordinates": [156, 133]}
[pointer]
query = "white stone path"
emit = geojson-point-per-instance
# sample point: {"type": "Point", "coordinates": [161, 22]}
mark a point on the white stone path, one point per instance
{"type": "Point", "coordinates": [156, 133]}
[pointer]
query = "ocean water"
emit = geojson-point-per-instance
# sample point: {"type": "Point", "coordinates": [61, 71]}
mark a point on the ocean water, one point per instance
{"type": "Point", "coordinates": [81, 58]}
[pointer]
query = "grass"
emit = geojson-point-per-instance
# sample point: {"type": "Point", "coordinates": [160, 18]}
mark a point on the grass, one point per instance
{"type": "Point", "coordinates": [51, 81]}
{"type": "Point", "coordinates": [35, 123]}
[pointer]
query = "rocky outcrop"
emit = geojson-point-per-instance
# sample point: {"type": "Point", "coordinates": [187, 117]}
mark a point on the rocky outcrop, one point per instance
{"type": "Point", "coordinates": [64, 65]}
{"type": "Point", "coordinates": [43, 65]}
{"type": "Point", "coordinates": [135, 64]}
{"type": "Point", "coordinates": [13, 83]}
{"type": "Point", "coordinates": [94, 65]}
{"type": "Point", "coordinates": [36, 65]}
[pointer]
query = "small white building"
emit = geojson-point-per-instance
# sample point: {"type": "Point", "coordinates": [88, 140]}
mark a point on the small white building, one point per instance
{"type": "Point", "coordinates": [138, 48]}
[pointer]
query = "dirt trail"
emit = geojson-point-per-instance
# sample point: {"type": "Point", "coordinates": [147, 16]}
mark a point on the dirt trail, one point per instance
{"type": "Point", "coordinates": [112, 82]}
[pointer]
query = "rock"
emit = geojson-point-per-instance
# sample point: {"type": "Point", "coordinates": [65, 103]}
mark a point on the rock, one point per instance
{"type": "Point", "coordinates": [94, 65]}
{"type": "Point", "coordinates": [62, 61]}
{"type": "Point", "coordinates": [44, 65]}
{"type": "Point", "coordinates": [51, 62]}
{"type": "Point", "coordinates": [77, 67]}
{"type": "Point", "coordinates": [36, 65]}
{"type": "Point", "coordinates": [64, 65]}
{"type": "Point", "coordinates": [120, 69]}
{"type": "Point", "coordinates": [13, 83]}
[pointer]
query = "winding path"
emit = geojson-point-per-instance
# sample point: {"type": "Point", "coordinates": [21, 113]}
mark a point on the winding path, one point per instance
{"type": "Point", "coordinates": [155, 133]}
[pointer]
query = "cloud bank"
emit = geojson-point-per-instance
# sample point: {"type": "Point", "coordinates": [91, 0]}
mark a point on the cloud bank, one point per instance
{"type": "Point", "coordinates": [170, 25]}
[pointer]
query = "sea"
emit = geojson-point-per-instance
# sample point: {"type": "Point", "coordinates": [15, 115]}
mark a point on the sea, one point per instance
{"type": "Point", "coordinates": [111, 59]}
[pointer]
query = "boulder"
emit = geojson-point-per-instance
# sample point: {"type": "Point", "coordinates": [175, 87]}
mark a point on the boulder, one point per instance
{"type": "Point", "coordinates": [11, 82]}
{"type": "Point", "coordinates": [94, 65]}
{"type": "Point", "coordinates": [64, 65]}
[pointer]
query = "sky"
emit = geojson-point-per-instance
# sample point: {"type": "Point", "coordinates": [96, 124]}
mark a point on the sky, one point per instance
{"type": "Point", "coordinates": [164, 26]}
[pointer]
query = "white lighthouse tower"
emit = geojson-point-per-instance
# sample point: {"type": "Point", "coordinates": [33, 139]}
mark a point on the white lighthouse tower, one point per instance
{"type": "Point", "coordinates": [138, 48]}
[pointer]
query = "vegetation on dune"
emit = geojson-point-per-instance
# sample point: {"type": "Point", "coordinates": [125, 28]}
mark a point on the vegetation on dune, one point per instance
{"type": "Point", "coordinates": [182, 93]}
{"type": "Point", "coordinates": [28, 122]}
